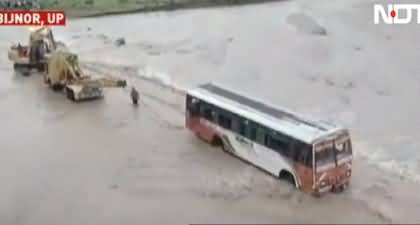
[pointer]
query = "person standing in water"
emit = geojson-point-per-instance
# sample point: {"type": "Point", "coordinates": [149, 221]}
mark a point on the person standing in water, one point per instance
{"type": "Point", "coordinates": [134, 96]}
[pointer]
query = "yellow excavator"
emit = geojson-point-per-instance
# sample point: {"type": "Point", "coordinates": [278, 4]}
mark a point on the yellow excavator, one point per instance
{"type": "Point", "coordinates": [63, 72]}
{"type": "Point", "coordinates": [35, 54]}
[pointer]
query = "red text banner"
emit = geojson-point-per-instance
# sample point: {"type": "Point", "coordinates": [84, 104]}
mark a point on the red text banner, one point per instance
{"type": "Point", "coordinates": [32, 18]}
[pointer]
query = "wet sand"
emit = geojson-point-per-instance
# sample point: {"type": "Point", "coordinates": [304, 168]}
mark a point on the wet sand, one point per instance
{"type": "Point", "coordinates": [106, 162]}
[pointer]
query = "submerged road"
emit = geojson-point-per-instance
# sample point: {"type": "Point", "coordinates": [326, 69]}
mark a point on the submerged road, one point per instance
{"type": "Point", "coordinates": [107, 162]}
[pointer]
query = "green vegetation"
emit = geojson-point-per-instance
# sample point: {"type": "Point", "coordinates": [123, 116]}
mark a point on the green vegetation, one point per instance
{"type": "Point", "coordinates": [86, 8]}
{"type": "Point", "coordinates": [96, 7]}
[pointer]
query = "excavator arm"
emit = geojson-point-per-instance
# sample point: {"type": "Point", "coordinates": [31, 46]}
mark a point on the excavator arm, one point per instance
{"type": "Point", "coordinates": [50, 37]}
{"type": "Point", "coordinates": [45, 34]}
{"type": "Point", "coordinates": [87, 88]}
{"type": "Point", "coordinates": [77, 78]}
{"type": "Point", "coordinates": [100, 83]}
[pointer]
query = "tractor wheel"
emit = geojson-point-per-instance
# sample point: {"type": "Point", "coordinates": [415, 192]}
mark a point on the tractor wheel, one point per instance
{"type": "Point", "coordinates": [57, 87]}
{"type": "Point", "coordinates": [21, 69]}
{"type": "Point", "coordinates": [25, 71]}
{"type": "Point", "coordinates": [41, 67]}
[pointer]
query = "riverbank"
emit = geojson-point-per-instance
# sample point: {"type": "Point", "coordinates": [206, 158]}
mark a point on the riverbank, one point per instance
{"type": "Point", "coordinates": [92, 8]}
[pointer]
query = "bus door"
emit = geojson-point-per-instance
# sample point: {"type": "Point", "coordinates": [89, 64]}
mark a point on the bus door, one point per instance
{"type": "Point", "coordinates": [302, 156]}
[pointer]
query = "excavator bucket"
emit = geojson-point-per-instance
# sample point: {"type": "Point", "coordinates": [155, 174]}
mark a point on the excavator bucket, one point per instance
{"type": "Point", "coordinates": [78, 92]}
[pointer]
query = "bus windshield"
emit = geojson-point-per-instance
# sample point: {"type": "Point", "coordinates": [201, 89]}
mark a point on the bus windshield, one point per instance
{"type": "Point", "coordinates": [343, 150]}
{"type": "Point", "coordinates": [332, 152]}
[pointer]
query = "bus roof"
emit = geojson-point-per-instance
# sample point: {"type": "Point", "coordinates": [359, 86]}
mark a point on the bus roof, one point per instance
{"type": "Point", "coordinates": [282, 120]}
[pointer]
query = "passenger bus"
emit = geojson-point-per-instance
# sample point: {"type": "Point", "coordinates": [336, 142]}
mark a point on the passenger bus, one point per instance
{"type": "Point", "coordinates": [314, 155]}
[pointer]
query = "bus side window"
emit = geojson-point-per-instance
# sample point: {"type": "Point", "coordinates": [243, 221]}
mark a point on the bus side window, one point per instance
{"type": "Point", "coordinates": [302, 156]}
{"type": "Point", "coordinates": [277, 142]}
{"type": "Point", "coordinates": [297, 151]}
{"type": "Point", "coordinates": [260, 138]}
{"type": "Point", "coordinates": [305, 156]}
{"type": "Point", "coordinates": [292, 149]}
{"type": "Point", "coordinates": [238, 125]}
{"type": "Point", "coordinates": [295, 154]}
{"type": "Point", "coordinates": [207, 112]}
{"type": "Point", "coordinates": [242, 126]}
{"type": "Point", "coordinates": [225, 121]}
{"type": "Point", "coordinates": [251, 131]}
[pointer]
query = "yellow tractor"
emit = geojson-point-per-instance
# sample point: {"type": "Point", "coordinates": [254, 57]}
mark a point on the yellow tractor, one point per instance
{"type": "Point", "coordinates": [63, 72]}
{"type": "Point", "coordinates": [35, 54]}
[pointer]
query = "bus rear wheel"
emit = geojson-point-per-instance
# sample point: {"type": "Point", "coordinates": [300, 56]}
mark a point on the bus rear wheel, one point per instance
{"type": "Point", "coordinates": [57, 87]}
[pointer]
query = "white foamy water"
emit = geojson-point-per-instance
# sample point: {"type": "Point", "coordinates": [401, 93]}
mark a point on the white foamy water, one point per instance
{"type": "Point", "coordinates": [161, 79]}
{"type": "Point", "coordinates": [379, 157]}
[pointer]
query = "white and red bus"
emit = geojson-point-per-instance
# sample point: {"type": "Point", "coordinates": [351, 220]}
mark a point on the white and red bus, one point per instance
{"type": "Point", "coordinates": [316, 156]}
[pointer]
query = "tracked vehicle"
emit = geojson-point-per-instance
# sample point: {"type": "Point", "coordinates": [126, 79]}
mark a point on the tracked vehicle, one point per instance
{"type": "Point", "coordinates": [63, 72]}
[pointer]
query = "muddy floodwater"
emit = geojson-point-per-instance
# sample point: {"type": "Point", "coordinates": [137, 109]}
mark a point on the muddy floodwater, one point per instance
{"type": "Point", "coordinates": [107, 162]}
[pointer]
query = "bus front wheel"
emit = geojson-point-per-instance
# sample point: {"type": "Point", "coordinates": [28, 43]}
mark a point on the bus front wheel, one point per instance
{"type": "Point", "coordinates": [216, 141]}
{"type": "Point", "coordinates": [287, 176]}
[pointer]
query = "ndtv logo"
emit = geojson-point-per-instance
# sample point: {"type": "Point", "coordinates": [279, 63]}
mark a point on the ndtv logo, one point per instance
{"type": "Point", "coordinates": [396, 13]}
